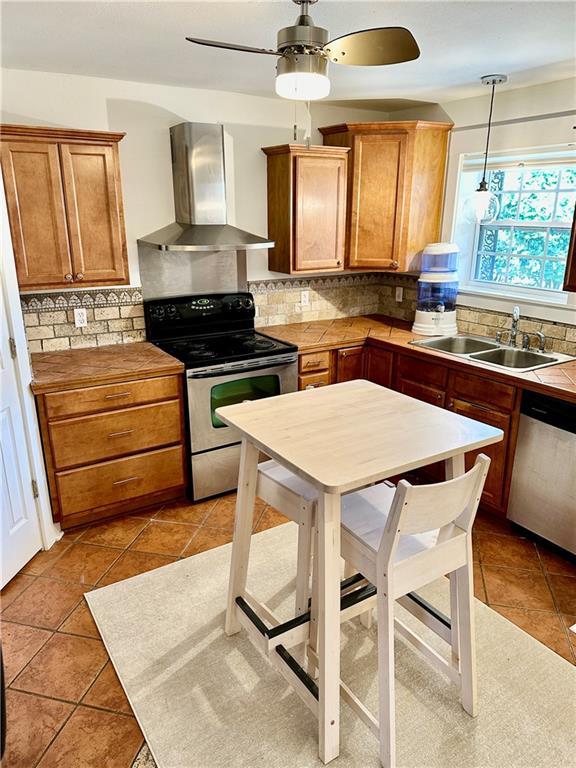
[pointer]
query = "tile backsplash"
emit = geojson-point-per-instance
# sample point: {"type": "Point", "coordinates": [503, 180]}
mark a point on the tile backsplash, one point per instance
{"type": "Point", "coordinates": [113, 317]}
{"type": "Point", "coordinates": [116, 315]}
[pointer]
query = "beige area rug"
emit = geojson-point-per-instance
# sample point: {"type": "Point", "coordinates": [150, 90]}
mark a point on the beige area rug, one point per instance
{"type": "Point", "coordinates": [204, 700]}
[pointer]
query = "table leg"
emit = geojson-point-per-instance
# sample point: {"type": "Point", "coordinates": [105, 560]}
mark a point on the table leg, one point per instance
{"type": "Point", "coordinates": [243, 522]}
{"type": "Point", "coordinates": [455, 466]}
{"type": "Point", "coordinates": [329, 626]}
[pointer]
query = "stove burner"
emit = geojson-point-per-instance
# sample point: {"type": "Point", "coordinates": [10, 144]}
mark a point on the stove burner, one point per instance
{"type": "Point", "coordinates": [202, 354]}
{"type": "Point", "coordinates": [258, 344]}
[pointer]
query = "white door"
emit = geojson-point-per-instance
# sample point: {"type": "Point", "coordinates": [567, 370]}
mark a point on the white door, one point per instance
{"type": "Point", "coordinates": [19, 519]}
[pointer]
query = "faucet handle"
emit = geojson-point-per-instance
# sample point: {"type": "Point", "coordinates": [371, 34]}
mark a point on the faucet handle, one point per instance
{"type": "Point", "coordinates": [516, 313]}
{"type": "Point", "coordinates": [499, 337]}
{"type": "Point", "coordinates": [525, 341]}
{"type": "Point", "coordinates": [541, 340]}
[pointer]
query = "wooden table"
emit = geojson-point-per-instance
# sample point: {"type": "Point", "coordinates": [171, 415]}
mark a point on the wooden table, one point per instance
{"type": "Point", "coordinates": [340, 438]}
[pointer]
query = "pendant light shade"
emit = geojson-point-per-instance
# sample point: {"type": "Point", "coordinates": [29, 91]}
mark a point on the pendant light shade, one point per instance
{"type": "Point", "coordinates": [302, 77]}
{"type": "Point", "coordinates": [482, 206]}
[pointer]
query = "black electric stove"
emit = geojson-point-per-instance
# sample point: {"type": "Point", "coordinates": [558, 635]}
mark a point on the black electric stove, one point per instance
{"type": "Point", "coordinates": [209, 329]}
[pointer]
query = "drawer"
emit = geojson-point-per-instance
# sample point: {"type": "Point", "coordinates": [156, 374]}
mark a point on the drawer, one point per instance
{"type": "Point", "coordinates": [314, 361]}
{"type": "Point", "coordinates": [107, 397]}
{"type": "Point", "coordinates": [313, 380]}
{"type": "Point", "coordinates": [475, 389]}
{"type": "Point", "coordinates": [422, 392]}
{"type": "Point", "coordinates": [422, 371]}
{"type": "Point", "coordinates": [87, 439]}
{"type": "Point", "coordinates": [112, 482]}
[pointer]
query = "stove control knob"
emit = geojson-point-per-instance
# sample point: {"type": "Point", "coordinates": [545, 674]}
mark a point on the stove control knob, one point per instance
{"type": "Point", "coordinates": [171, 310]}
{"type": "Point", "coordinates": [247, 303]}
{"type": "Point", "coordinates": [237, 303]}
{"type": "Point", "coordinates": [157, 313]}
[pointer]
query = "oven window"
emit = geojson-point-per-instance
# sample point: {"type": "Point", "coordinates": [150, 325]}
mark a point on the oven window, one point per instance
{"type": "Point", "coordinates": [232, 392]}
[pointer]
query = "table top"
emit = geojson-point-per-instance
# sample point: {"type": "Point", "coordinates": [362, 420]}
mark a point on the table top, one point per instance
{"type": "Point", "coordinates": [345, 436]}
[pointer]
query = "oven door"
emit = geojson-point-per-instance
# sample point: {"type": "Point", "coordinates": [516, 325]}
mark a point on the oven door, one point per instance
{"type": "Point", "coordinates": [208, 391]}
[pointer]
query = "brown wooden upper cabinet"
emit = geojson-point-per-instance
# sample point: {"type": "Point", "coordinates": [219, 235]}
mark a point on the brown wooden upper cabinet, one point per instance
{"type": "Point", "coordinates": [64, 199]}
{"type": "Point", "coordinates": [395, 189]}
{"type": "Point", "coordinates": [306, 208]}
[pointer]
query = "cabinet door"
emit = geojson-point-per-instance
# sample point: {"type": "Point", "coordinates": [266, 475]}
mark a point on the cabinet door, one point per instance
{"type": "Point", "coordinates": [95, 217]}
{"type": "Point", "coordinates": [350, 364]}
{"type": "Point", "coordinates": [36, 211]}
{"type": "Point", "coordinates": [379, 366]}
{"type": "Point", "coordinates": [494, 487]}
{"type": "Point", "coordinates": [320, 213]}
{"type": "Point", "coordinates": [421, 392]}
{"type": "Point", "coordinates": [376, 200]}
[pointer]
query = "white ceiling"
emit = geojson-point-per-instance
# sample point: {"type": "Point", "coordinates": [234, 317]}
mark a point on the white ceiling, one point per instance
{"type": "Point", "coordinates": [534, 42]}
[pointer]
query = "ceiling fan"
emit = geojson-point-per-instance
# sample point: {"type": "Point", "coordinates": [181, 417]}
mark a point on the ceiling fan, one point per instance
{"type": "Point", "coordinates": [304, 51]}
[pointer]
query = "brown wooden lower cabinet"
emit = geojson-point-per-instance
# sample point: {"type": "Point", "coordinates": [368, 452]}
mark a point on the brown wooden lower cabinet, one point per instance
{"type": "Point", "coordinates": [350, 364]}
{"type": "Point", "coordinates": [113, 448]}
{"type": "Point", "coordinates": [314, 380]}
{"type": "Point", "coordinates": [421, 392]}
{"type": "Point", "coordinates": [378, 366]}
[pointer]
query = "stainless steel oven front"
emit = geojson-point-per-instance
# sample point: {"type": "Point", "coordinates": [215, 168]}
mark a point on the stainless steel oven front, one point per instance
{"type": "Point", "coordinates": [216, 446]}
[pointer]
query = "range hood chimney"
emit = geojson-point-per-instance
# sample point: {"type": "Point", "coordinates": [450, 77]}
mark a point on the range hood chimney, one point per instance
{"type": "Point", "coordinates": [198, 175]}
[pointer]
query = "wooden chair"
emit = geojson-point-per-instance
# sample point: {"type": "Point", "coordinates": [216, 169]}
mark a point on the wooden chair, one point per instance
{"type": "Point", "coordinates": [400, 540]}
{"type": "Point", "coordinates": [296, 499]}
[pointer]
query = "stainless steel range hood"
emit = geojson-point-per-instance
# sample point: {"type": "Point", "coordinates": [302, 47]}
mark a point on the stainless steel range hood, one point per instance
{"type": "Point", "coordinates": [198, 174]}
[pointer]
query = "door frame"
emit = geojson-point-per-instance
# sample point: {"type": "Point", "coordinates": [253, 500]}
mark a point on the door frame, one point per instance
{"type": "Point", "coordinates": [49, 532]}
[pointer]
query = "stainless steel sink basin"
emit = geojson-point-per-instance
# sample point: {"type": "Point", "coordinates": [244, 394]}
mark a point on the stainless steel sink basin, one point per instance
{"type": "Point", "coordinates": [458, 345]}
{"type": "Point", "coordinates": [507, 357]}
{"type": "Point", "coordinates": [491, 353]}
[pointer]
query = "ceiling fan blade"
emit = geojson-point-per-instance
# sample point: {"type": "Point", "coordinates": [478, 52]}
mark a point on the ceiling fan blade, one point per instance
{"type": "Point", "coordinates": [373, 47]}
{"type": "Point", "coordinates": [231, 46]}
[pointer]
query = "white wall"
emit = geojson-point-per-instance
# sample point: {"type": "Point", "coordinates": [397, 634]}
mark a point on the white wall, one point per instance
{"type": "Point", "coordinates": [145, 112]}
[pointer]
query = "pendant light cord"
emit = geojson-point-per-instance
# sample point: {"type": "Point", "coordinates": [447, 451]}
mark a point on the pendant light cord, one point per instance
{"type": "Point", "coordinates": [483, 182]}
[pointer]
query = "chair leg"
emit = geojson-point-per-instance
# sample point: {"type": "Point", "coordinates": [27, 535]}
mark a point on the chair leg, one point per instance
{"type": "Point", "coordinates": [466, 631]}
{"type": "Point", "coordinates": [387, 715]}
{"type": "Point", "coordinates": [304, 562]}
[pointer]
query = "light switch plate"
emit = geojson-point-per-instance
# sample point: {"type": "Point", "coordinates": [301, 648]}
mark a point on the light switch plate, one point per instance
{"type": "Point", "coordinates": [80, 318]}
{"type": "Point", "coordinates": [399, 293]}
{"type": "Point", "coordinates": [305, 298]}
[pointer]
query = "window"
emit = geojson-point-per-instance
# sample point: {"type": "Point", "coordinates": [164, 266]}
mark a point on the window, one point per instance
{"type": "Point", "coordinates": [527, 245]}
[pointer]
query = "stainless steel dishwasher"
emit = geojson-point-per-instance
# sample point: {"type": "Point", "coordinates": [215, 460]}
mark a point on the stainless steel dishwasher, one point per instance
{"type": "Point", "coordinates": [543, 489]}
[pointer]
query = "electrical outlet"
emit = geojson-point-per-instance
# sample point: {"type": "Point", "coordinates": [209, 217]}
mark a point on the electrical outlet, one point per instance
{"type": "Point", "coordinates": [80, 318]}
{"type": "Point", "coordinates": [399, 294]}
{"type": "Point", "coordinates": [305, 298]}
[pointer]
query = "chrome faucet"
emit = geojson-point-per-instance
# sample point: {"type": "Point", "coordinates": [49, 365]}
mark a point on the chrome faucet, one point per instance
{"type": "Point", "coordinates": [514, 328]}
{"type": "Point", "coordinates": [541, 340]}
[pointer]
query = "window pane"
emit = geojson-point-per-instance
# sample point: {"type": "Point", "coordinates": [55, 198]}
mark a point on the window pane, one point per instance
{"type": "Point", "coordinates": [523, 271]}
{"type": "Point", "coordinates": [492, 267]}
{"type": "Point", "coordinates": [536, 206]}
{"type": "Point", "coordinates": [529, 241]}
{"type": "Point", "coordinates": [558, 241]}
{"type": "Point", "coordinates": [508, 206]}
{"type": "Point", "coordinates": [488, 237]}
{"type": "Point", "coordinates": [554, 274]}
{"type": "Point", "coordinates": [505, 180]}
{"type": "Point", "coordinates": [565, 207]}
{"type": "Point", "coordinates": [504, 241]}
{"type": "Point", "coordinates": [539, 178]}
{"type": "Point", "coordinates": [568, 178]}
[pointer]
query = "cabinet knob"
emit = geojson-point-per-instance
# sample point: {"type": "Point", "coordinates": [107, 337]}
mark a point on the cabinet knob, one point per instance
{"type": "Point", "coordinates": [68, 277]}
{"type": "Point", "coordinates": [450, 404]}
{"type": "Point", "coordinates": [79, 276]}
{"type": "Point", "coordinates": [338, 263]}
{"type": "Point", "coordinates": [394, 265]}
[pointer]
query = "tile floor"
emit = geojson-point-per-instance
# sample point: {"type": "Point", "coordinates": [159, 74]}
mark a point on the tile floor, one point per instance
{"type": "Point", "coordinates": [65, 705]}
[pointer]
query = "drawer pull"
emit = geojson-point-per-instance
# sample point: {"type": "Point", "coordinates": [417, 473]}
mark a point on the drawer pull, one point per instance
{"type": "Point", "coordinates": [120, 394]}
{"type": "Point", "coordinates": [121, 434]}
{"type": "Point", "coordinates": [126, 480]}
{"type": "Point", "coordinates": [311, 363]}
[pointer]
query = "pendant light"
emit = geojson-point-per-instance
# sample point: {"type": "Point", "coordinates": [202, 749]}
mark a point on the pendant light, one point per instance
{"type": "Point", "coordinates": [483, 206]}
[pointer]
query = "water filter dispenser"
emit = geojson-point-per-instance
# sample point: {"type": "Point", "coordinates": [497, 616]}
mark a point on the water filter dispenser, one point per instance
{"type": "Point", "coordinates": [437, 291]}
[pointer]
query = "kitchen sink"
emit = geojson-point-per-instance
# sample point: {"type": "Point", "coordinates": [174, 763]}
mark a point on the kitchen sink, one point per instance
{"type": "Point", "coordinates": [491, 353]}
{"type": "Point", "coordinates": [507, 357]}
{"type": "Point", "coordinates": [458, 345]}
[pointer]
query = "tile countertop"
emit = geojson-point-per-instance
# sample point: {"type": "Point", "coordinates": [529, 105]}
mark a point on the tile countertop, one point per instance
{"type": "Point", "coordinates": [558, 380]}
{"type": "Point", "coordinates": [89, 366]}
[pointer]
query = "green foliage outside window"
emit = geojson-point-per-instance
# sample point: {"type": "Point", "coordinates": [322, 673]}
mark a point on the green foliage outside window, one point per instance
{"type": "Point", "coordinates": [528, 243]}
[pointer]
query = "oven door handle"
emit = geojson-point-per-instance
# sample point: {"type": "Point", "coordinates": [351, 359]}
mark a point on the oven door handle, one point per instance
{"type": "Point", "coordinates": [231, 372]}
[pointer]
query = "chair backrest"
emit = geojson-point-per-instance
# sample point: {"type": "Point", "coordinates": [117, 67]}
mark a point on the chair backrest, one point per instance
{"type": "Point", "coordinates": [421, 508]}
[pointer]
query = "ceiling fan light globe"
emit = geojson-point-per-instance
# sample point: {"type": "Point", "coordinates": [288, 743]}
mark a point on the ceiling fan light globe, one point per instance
{"type": "Point", "coordinates": [302, 86]}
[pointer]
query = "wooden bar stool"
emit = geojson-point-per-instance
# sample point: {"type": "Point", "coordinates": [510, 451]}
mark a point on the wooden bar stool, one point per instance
{"type": "Point", "coordinates": [296, 499]}
{"type": "Point", "coordinates": [400, 540]}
